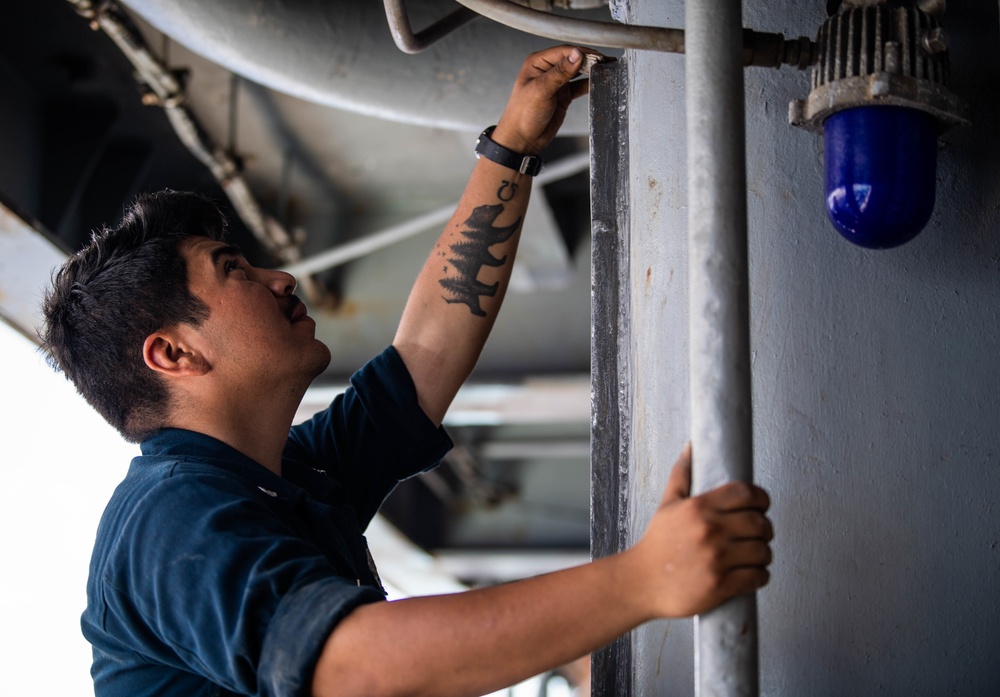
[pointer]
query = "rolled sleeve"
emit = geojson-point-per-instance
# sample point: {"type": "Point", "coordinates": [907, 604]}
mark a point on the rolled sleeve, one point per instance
{"type": "Point", "coordinates": [298, 632]}
{"type": "Point", "coordinates": [214, 579]}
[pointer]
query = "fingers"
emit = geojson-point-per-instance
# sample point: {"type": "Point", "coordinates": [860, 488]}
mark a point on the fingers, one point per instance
{"type": "Point", "coordinates": [742, 554]}
{"type": "Point", "coordinates": [565, 59]}
{"type": "Point", "coordinates": [739, 567]}
{"type": "Point", "coordinates": [556, 66]}
{"type": "Point", "coordinates": [735, 496]}
{"type": "Point", "coordinates": [745, 553]}
{"type": "Point", "coordinates": [748, 525]}
{"type": "Point", "coordinates": [679, 483]}
{"type": "Point", "coordinates": [742, 581]}
{"type": "Point", "coordinates": [543, 91]}
{"type": "Point", "coordinates": [551, 72]}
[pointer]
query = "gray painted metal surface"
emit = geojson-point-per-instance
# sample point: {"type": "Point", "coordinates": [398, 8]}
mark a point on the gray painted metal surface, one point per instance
{"type": "Point", "coordinates": [721, 414]}
{"type": "Point", "coordinates": [876, 388]}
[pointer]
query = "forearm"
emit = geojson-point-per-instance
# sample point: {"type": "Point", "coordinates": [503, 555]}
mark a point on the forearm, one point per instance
{"type": "Point", "coordinates": [457, 296]}
{"type": "Point", "coordinates": [696, 554]}
{"type": "Point", "coordinates": [476, 642]}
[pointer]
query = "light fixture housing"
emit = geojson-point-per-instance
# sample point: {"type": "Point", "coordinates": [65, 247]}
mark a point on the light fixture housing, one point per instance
{"type": "Point", "coordinates": [880, 97]}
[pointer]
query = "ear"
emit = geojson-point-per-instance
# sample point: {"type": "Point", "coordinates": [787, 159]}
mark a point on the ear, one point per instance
{"type": "Point", "coordinates": [170, 353]}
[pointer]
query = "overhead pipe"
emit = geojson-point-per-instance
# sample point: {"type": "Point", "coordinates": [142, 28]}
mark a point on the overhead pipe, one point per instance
{"type": "Point", "coordinates": [719, 340]}
{"type": "Point", "coordinates": [759, 48]}
{"type": "Point", "coordinates": [339, 53]}
{"type": "Point", "coordinates": [410, 42]}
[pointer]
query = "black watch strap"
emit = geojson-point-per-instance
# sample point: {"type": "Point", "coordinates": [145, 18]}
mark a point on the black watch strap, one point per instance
{"type": "Point", "coordinates": [525, 164]}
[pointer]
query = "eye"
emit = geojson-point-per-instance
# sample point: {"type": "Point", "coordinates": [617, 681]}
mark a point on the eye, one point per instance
{"type": "Point", "coordinates": [233, 265]}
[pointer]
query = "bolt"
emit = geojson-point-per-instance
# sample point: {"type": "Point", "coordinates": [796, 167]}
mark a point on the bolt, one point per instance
{"type": "Point", "coordinates": [935, 41]}
{"type": "Point", "coordinates": [878, 85]}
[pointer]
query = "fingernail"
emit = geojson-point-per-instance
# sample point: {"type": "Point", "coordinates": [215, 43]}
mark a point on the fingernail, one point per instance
{"type": "Point", "coordinates": [574, 55]}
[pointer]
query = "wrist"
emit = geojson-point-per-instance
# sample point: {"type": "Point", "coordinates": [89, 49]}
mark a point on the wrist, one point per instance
{"type": "Point", "coordinates": [512, 140]}
{"type": "Point", "coordinates": [488, 147]}
{"type": "Point", "coordinates": [629, 574]}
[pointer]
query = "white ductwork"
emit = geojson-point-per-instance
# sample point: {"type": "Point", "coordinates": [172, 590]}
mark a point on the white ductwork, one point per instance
{"type": "Point", "coordinates": [341, 54]}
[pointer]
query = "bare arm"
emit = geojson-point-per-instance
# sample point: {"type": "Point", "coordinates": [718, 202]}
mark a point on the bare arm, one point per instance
{"type": "Point", "coordinates": [695, 554]}
{"type": "Point", "coordinates": [458, 293]}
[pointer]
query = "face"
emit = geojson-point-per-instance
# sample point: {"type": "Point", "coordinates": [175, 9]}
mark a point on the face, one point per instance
{"type": "Point", "coordinates": [257, 333]}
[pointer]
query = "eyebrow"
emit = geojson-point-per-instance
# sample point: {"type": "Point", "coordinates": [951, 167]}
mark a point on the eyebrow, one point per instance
{"type": "Point", "coordinates": [226, 250]}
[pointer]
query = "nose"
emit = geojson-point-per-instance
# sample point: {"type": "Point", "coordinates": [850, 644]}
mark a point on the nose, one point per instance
{"type": "Point", "coordinates": [280, 283]}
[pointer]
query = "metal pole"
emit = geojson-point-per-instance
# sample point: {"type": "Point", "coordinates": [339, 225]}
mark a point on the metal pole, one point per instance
{"type": "Point", "coordinates": [721, 419]}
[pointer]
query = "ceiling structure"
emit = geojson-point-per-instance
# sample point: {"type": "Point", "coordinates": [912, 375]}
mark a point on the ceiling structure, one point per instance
{"type": "Point", "coordinates": [80, 136]}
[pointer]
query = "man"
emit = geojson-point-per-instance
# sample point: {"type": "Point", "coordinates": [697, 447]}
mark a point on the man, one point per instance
{"type": "Point", "coordinates": [231, 559]}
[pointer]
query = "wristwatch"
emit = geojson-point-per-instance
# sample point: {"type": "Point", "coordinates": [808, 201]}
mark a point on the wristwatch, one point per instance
{"type": "Point", "coordinates": [488, 148]}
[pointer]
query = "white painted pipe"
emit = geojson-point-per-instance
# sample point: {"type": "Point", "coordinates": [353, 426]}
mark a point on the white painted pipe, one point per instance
{"type": "Point", "coordinates": [349, 251]}
{"type": "Point", "coordinates": [721, 418]}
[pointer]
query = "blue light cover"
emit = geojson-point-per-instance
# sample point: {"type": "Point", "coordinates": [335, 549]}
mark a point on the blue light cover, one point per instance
{"type": "Point", "coordinates": [881, 165]}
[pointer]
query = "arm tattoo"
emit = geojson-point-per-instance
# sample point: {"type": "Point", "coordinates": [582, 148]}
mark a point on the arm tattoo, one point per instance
{"type": "Point", "coordinates": [469, 256]}
{"type": "Point", "coordinates": [507, 191]}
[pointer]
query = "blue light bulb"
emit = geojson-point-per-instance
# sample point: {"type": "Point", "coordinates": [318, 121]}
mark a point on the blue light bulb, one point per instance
{"type": "Point", "coordinates": [881, 166]}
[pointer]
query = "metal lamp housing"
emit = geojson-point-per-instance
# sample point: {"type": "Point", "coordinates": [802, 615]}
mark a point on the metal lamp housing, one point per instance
{"type": "Point", "coordinates": [880, 98]}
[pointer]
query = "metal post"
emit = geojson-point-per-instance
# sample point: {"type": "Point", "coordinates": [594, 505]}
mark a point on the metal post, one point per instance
{"type": "Point", "coordinates": [611, 332]}
{"type": "Point", "coordinates": [721, 419]}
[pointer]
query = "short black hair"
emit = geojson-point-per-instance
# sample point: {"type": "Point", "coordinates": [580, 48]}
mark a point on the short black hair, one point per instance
{"type": "Point", "coordinates": [126, 283]}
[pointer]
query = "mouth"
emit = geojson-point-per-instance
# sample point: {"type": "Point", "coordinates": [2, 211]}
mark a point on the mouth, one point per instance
{"type": "Point", "coordinates": [295, 310]}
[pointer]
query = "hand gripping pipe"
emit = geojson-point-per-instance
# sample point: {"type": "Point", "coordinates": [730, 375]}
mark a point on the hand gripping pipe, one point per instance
{"type": "Point", "coordinates": [719, 339]}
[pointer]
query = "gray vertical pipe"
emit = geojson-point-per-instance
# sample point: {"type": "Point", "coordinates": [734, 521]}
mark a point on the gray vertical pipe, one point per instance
{"type": "Point", "coordinates": [721, 419]}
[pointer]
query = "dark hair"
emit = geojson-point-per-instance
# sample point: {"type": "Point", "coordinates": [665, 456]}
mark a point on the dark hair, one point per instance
{"type": "Point", "coordinates": [125, 284]}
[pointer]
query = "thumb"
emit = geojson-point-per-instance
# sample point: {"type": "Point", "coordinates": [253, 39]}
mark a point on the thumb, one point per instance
{"type": "Point", "coordinates": [679, 484]}
{"type": "Point", "coordinates": [562, 72]}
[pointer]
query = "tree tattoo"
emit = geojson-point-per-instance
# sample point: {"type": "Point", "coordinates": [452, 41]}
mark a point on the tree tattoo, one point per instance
{"type": "Point", "coordinates": [469, 256]}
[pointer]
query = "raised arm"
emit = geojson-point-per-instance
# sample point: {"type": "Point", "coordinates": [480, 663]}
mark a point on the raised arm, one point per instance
{"type": "Point", "coordinates": [458, 293]}
{"type": "Point", "coordinates": [696, 553]}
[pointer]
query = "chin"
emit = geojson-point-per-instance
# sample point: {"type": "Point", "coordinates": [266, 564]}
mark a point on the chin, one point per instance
{"type": "Point", "coordinates": [323, 358]}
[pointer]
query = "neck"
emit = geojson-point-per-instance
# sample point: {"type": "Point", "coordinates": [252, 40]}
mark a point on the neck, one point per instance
{"type": "Point", "coordinates": [254, 425]}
